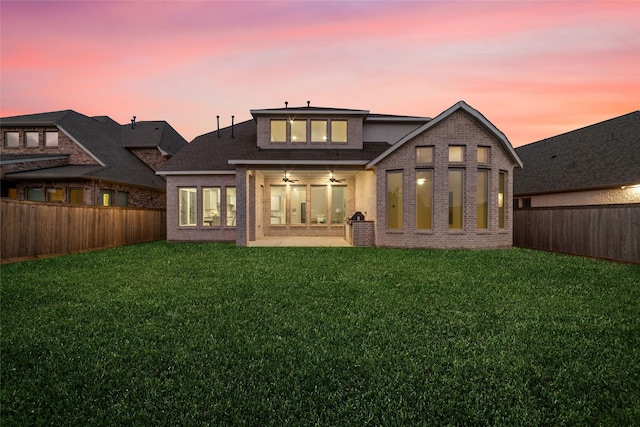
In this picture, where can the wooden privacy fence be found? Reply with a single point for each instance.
(35, 229)
(603, 231)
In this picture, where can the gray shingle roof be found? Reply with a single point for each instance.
(210, 153)
(605, 154)
(152, 134)
(105, 140)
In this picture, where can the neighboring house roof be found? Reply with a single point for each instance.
(152, 134)
(104, 140)
(602, 155)
(475, 114)
(6, 159)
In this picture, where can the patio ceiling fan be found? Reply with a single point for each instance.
(287, 179)
(333, 179)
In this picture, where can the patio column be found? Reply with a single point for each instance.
(242, 219)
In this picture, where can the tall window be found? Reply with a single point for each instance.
(456, 186)
(231, 207)
(482, 200)
(394, 200)
(105, 197)
(278, 131)
(338, 203)
(55, 195)
(32, 139)
(318, 131)
(501, 200)
(424, 199)
(456, 153)
(298, 130)
(278, 204)
(338, 130)
(424, 155)
(187, 206)
(75, 196)
(211, 206)
(34, 194)
(122, 198)
(51, 139)
(12, 139)
(318, 204)
(298, 204)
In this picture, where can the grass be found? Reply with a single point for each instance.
(211, 334)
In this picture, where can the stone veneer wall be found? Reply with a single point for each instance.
(457, 129)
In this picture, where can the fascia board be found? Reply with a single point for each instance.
(191, 172)
(299, 162)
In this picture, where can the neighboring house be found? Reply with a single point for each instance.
(431, 183)
(594, 165)
(67, 157)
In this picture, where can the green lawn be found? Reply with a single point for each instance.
(210, 334)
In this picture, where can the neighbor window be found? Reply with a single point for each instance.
(318, 204)
(32, 139)
(456, 153)
(122, 199)
(424, 199)
(105, 197)
(34, 194)
(298, 130)
(501, 198)
(484, 155)
(456, 181)
(187, 206)
(51, 139)
(75, 196)
(318, 130)
(278, 131)
(12, 139)
(338, 203)
(278, 203)
(55, 195)
(338, 130)
(211, 206)
(424, 155)
(231, 207)
(298, 195)
(394, 200)
(482, 200)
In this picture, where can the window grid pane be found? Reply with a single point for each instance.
(339, 131)
(501, 195)
(298, 196)
(338, 204)
(318, 204)
(424, 155)
(483, 155)
(32, 139)
(12, 139)
(318, 130)
(424, 199)
(298, 130)
(482, 200)
(278, 131)
(211, 207)
(278, 203)
(394, 200)
(231, 207)
(456, 153)
(187, 206)
(456, 179)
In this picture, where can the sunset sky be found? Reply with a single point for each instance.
(533, 68)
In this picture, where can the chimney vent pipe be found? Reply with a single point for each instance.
(232, 117)
(218, 120)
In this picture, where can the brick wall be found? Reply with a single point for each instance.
(457, 129)
(199, 233)
(65, 145)
(152, 157)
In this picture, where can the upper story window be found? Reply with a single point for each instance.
(298, 130)
(338, 131)
(484, 154)
(31, 139)
(51, 139)
(12, 139)
(278, 131)
(424, 155)
(456, 153)
(318, 131)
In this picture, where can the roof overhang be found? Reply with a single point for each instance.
(32, 159)
(299, 162)
(308, 112)
(191, 172)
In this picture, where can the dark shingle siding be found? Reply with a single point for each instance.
(605, 154)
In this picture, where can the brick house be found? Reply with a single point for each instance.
(67, 157)
(595, 165)
(444, 182)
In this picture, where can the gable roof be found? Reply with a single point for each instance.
(475, 114)
(100, 139)
(602, 155)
